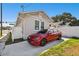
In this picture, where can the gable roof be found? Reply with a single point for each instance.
(24, 14)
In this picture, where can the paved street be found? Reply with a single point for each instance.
(25, 49)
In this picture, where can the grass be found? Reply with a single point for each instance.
(66, 48)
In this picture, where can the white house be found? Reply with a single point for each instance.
(30, 22)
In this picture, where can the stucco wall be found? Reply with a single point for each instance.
(29, 25)
(16, 33)
(26, 21)
(70, 31)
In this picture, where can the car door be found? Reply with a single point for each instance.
(55, 33)
(50, 35)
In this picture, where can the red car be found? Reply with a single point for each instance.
(41, 38)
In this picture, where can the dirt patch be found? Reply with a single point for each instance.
(72, 51)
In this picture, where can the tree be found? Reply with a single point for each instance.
(74, 23)
(64, 17)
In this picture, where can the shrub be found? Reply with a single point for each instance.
(75, 37)
(9, 40)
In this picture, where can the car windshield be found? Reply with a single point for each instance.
(43, 31)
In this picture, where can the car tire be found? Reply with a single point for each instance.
(43, 42)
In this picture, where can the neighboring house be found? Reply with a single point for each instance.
(7, 26)
(30, 22)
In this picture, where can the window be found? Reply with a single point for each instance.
(42, 25)
(36, 25)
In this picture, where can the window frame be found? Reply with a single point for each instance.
(36, 25)
(42, 25)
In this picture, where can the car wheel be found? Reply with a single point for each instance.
(43, 42)
(28, 39)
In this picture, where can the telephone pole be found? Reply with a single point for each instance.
(1, 19)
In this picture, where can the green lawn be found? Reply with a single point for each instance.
(66, 48)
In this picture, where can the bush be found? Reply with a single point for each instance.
(74, 23)
(9, 40)
(75, 37)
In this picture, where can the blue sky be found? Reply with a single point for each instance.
(11, 10)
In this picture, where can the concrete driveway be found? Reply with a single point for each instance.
(25, 49)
